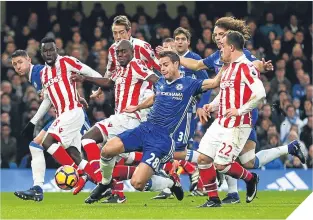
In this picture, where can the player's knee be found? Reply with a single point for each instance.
(249, 165)
(247, 159)
(39, 138)
(203, 159)
(221, 168)
(137, 184)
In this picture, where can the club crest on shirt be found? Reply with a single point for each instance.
(179, 86)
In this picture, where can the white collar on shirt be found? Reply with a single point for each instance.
(30, 73)
(185, 53)
(241, 58)
(169, 83)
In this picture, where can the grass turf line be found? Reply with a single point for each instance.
(269, 204)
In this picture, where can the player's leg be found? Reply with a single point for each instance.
(38, 165)
(207, 150)
(233, 141)
(246, 160)
(112, 148)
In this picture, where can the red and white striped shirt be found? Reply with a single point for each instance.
(130, 84)
(142, 51)
(58, 86)
(235, 91)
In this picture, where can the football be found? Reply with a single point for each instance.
(66, 177)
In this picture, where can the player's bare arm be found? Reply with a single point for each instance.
(192, 64)
(145, 104)
(212, 83)
(99, 81)
(263, 66)
(153, 78)
(44, 107)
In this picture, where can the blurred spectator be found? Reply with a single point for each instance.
(60, 46)
(207, 38)
(275, 53)
(17, 87)
(270, 25)
(308, 95)
(33, 25)
(306, 134)
(143, 27)
(162, 16)
(293, 25)
(307, 109)
(280, 79)
(288, 42)
(256, 35)
(141, 11)
(97, 13)
(5, 118)
(77, 44)
(55, 32)
(298, 90)
(291, 119)
(296, 103)
(6, 56)
(23, 36)
(119, 10)
(263, 128)
(93, 57)
(8, 146)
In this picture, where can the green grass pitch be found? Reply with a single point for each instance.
(269, 204)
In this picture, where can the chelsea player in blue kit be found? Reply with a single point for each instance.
(185, 132)
(23, 66)
(174, 94)
(247, 157)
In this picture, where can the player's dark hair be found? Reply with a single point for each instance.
(230, 23)
(168, 40)
(183, 31)
(19, 53)
(235, 38)
(122, 20)
(47, 40)
(173, 56)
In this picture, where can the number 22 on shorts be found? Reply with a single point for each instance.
(226, 149)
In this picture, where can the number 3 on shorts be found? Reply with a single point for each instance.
(153, 161)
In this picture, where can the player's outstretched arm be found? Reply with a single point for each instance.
(192, 64)
(147, 103)
(263, 66)
(153, 78)
(99, 81)
(44, 107)
(212, 83)
(42, 110)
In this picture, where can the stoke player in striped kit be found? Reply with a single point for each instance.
(241, 91)
(23, 66)
(247, 157)
(142, 51)
(63, 138)
(132, 81)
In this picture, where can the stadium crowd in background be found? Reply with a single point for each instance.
(284, 116)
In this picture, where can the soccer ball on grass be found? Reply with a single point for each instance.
(66, 177)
